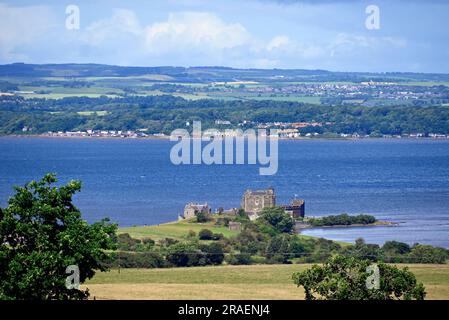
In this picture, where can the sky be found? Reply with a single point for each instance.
(411, 35)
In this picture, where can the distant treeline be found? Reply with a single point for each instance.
(166, 113)
(207, 73)
(342, 220)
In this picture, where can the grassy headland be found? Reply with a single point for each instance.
(177, 230)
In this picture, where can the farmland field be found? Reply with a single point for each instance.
(230, 282)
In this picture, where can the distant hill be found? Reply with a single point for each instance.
(205, 73)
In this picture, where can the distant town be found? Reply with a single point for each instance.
(287, 131)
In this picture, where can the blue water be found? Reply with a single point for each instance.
(133, 182)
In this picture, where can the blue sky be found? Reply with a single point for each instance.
(321, 34)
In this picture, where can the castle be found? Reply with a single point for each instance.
(192, 209)
(253, 202)
(296, 209)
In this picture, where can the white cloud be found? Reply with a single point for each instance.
(21, 26)
(183, 38)
(278, 42)
(349, 43)
(122, 22)
(195, 30)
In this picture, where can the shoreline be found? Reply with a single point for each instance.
(34, 136)
(380, 223)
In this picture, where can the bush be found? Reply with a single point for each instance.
(258, 260)
(239, 259)
(185, 255)
(428, 254)
(217, 236)
(396, 247)
(126, 243)
(138, 260)
(167, 242)
(395, 252)
(205, 234)
(278, 250)
(342, 220)
(148, 242)
(190, 254)
(346, 278)
(214, 253)
(191, 234)
(278, 219)
(202, 217)
(223, 221)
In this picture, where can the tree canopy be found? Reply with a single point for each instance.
(277, 218)
(345, 278)
(41, 234)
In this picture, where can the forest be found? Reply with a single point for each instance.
(164, 113)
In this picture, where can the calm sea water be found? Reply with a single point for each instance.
(134, 183)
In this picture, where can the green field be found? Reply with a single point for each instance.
(230, 282)
(175, 230)
(179, 230)
(91, 113)
(65, 95)
(222, 282)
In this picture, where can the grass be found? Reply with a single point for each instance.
(91, 113)
(230, 282)
(179, 230)
(222, 282)
(175, 230)
(65, 95)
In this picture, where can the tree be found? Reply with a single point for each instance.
(277, 250)
(278, 219)
(185, 255)
(363, 250)
(202, 217)
(239, 259)
(214, 253)
(205, 234)
(41, 234)
(127, 243)
(421, 253)
(396, 247)
(345, 278)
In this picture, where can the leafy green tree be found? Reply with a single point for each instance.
(205, 234)
(241, 216)
(185, 255)
(395, 252)
(239, 259)
(363, 250)
(214, 253)
(127, 243)
(278, 249)
(145, 259)
(421, 253)
(345, 278)
(396, 247)
(41, 234)
(278, 219)
(202, 217)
